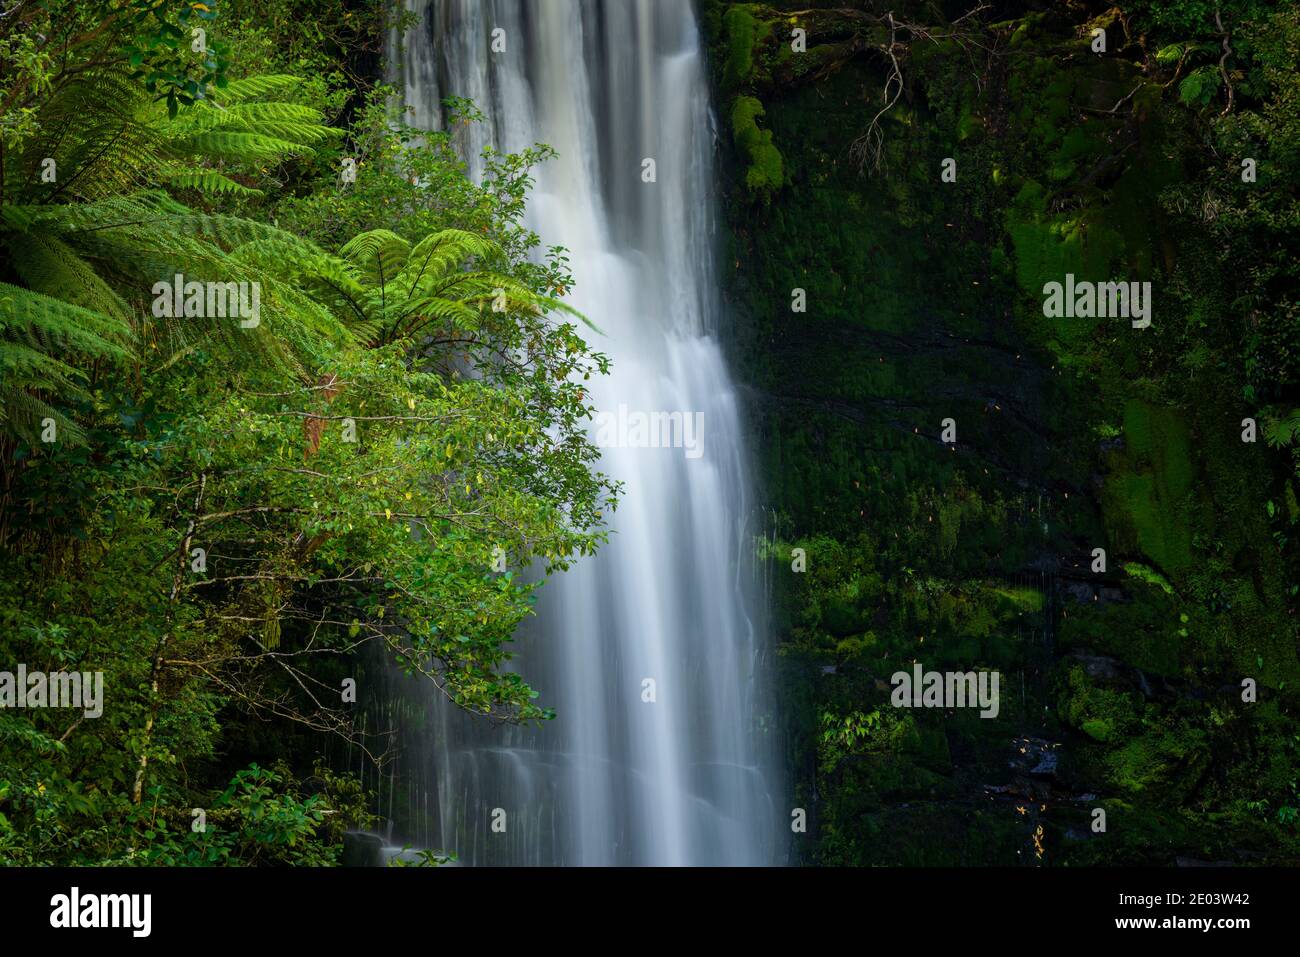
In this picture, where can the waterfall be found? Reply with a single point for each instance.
(654, 653)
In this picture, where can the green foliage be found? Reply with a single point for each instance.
(253, 822)
(412, 401)
(1199, 86)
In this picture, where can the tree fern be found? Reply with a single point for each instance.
(98, 262)
(50, 266)
(237, 127)
(107, 137)
(1282, 428)
(385, 289)
(44, 345)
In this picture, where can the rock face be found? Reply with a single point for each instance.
(877, 304)
(361, 849)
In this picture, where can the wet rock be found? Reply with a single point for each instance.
(1034, 757)
(1101, 668)
(1086, 592)
(361, 849)
(1046, 765)
(1080, 591)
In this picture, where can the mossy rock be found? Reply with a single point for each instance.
(766, 173)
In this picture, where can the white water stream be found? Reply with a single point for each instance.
(690, 777)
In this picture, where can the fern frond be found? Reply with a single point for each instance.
(239, 146)
(91, 128)
(1282, 430)
(443, 251)
(237, 91)
(208, 182)
(24, 415)
(379, 255)
(213, 116)
(40, 340)
(49, 266)
(51, 324)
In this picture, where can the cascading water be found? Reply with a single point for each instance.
(668, 610)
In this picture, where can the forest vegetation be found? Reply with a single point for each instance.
(241, 523)
(222, 516)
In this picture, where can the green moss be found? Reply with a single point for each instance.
(1101, 713)
(1078, 144)
(766, 169)
(1048, 246)
(1148, 494)
(1149, 575)
(1100, 729)
(1169, 760)
(744, 32)
(1022, 599)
